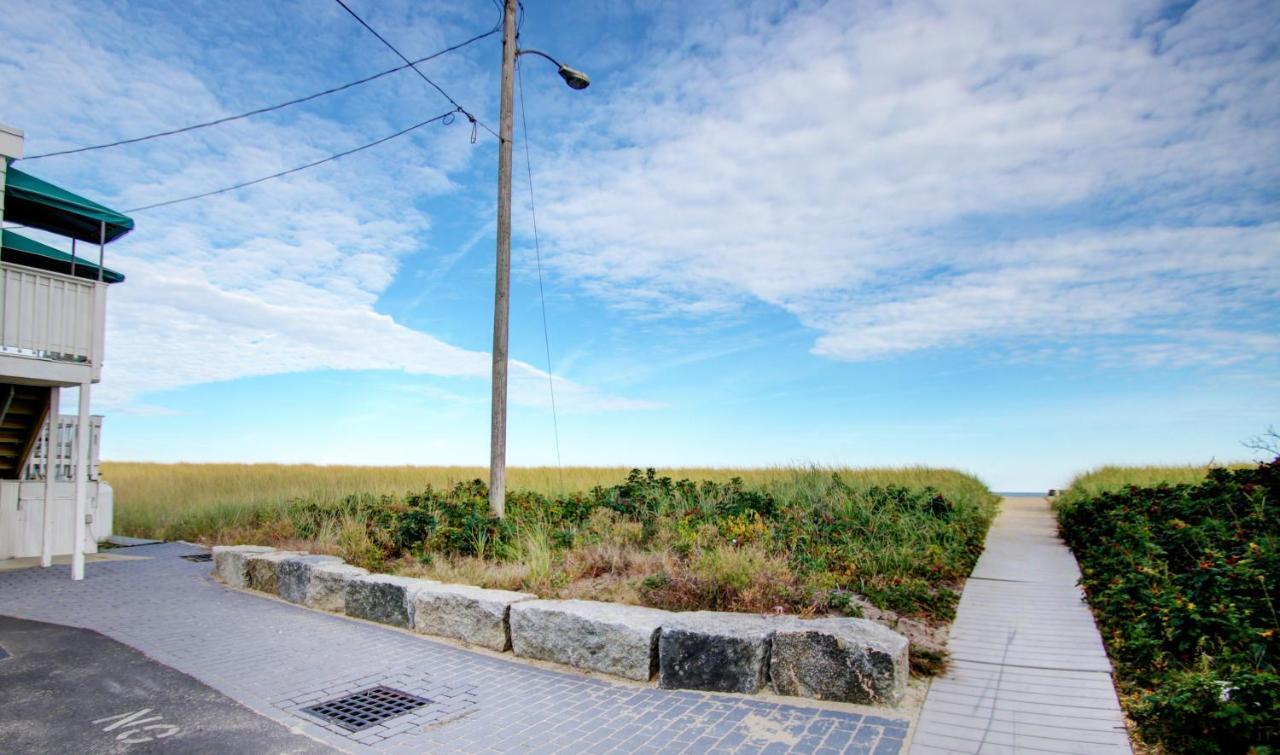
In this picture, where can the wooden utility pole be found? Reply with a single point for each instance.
(502, 284)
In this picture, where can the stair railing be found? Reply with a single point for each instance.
(64, 450)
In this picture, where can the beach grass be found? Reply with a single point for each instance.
(1109, 479)
(191, 501)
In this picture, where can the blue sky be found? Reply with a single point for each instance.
(1021, 239)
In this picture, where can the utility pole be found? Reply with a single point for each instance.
(576, 80)
(502, 284)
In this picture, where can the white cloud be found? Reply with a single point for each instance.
(897, 177)
(916, 175)
(277, 278)
(1073, 288)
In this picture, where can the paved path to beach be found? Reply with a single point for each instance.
(276, 659)
(1028, 671)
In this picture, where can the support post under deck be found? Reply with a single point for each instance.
(82, 484)
(50, 476)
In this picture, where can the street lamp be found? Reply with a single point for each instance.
(502, 283)
(573, 77)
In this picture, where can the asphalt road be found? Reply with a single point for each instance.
(64, 689)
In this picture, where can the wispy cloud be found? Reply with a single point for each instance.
(913, 176)
(281, 277)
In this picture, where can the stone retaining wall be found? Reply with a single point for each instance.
(230, 563)
(717, 652)
(846, 660)
(262, 570)
(327, 588)
(471, 614)
(850, 660)
(606, 637)
(293, 575)
(383, 598)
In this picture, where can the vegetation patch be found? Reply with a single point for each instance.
(801, 541)
(1183, 581)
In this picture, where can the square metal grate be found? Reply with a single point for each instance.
(360, 710)
(198, 557)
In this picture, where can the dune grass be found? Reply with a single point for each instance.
(195, 501)
(1109, 479)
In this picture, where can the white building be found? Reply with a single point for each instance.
(53, 308)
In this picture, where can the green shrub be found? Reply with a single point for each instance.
(1211, 711)
(1183, 580)
(646, 495)
(413, 527)
(904, 539)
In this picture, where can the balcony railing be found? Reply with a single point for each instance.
(64, 450)
(51, 315)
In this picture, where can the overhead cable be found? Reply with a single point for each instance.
(446, 117)
(474, 121)
(537, 250)
(270, 108)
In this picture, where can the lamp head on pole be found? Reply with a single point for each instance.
(574, 78)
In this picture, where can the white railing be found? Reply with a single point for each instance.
(51, 315)
(65, 449)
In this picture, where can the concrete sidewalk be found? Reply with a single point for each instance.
(1028, 670)
(276, 659)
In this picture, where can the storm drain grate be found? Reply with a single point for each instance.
(198, 557)
(359, 711)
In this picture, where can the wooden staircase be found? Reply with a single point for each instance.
(23, 411)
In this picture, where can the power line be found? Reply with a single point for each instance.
(437, 87)
(537, 249)
(270, 108)
(330, 158)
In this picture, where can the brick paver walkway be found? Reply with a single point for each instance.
(1028, 670)
(277, 658)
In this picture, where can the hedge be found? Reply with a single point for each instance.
(1183, 582)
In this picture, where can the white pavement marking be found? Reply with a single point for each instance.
(1028, 670)
(133, 735)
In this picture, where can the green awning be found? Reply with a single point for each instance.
(39, 204)
(21, 250)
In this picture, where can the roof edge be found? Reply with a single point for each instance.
(11, 140)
